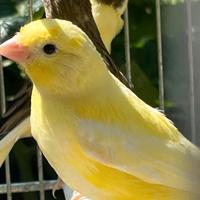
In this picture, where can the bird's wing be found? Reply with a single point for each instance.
(6, 144)
(149, 158)
(148, 147)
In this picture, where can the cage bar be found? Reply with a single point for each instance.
(2, 87)
(8, 178)
(160, 59)
(40, 173)
(27, 186)
(127, 48)
(191, 72)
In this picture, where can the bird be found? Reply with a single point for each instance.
(112, 11)
(100, 138)
(16, 123)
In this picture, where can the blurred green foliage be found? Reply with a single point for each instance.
(15, 13)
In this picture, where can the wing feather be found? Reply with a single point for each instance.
(152, 159)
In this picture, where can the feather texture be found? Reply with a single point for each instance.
(100, 138)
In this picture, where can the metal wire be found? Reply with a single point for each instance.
(191, 72)
(8, 179)
(160, 60)
(127, 48)
(27, 186)
(30, 6)
(9, 187)
(2, 87)
(40, 174)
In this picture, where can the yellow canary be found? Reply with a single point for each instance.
(101, 10)
(100, 138)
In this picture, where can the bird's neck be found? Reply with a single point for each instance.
(98, 99)
(101, 104)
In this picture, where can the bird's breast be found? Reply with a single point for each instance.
(55, 129)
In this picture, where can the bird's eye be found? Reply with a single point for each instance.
(49, 49)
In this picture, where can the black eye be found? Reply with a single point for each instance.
(49, 49)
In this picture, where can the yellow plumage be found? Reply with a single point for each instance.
(108, 20)
(108, 30)
(100, 138)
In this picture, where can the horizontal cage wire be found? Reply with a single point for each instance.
(41, 185)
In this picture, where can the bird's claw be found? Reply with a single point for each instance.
(59, 185)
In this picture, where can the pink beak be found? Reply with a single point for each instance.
(14, 51)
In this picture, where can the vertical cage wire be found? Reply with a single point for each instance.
(40, 174)
(191, 71)
(2, 87)
(30, 7)
(160, 57)
(8, 179)
(127, 48)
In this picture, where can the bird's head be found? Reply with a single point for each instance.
(56, 55)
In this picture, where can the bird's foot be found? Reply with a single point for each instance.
(59, 185)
